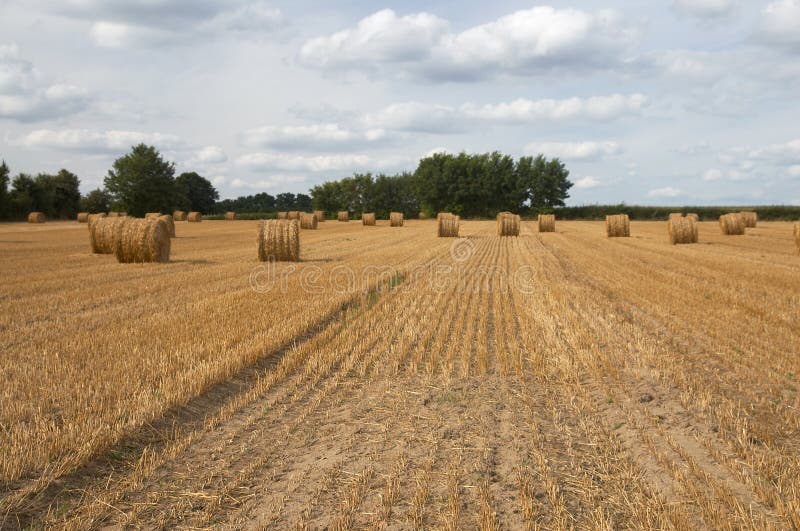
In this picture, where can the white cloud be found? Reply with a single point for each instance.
(524, 42)
(320, 136)
(665, 192)
(89, 141)
(712, 175)
(704, 8)
(587, 182)
(780, 24)
(427, 117)
(211, 154)
(26, 95)
(574, 150)
(314, 163)
(275, 181)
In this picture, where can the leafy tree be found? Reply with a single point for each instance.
(5, 175)
(199, 192)
(62, 193)
(302, 202)
(26, 196)
(262, 202)
(285, 201)
(96, 201)
(142, 181)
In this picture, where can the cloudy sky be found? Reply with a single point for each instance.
(658, 102)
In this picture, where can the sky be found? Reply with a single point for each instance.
(660, 102)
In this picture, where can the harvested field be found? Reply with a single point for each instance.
(564, 380)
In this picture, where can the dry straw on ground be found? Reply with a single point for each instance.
(103, 232)
(682, 230)
(279, 240)
(547, 222)
(142, 240)
(618, 226)
(179, 215)
(368, 219)
(396, 219)
(152, 215)
(448, 225)
(170, 223)
(283, 215)
(694, 217)
(35, 217)
(343, 216)
(732, 224)
(83, 217)
(508, 224)
(308, 221)
(320, 215)
(293, 214)
(750, 219)
(797, 235)
(230, 216)
(194, 217)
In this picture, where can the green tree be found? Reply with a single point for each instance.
(5, 175)
(285, 201)
(96, 201)
(62, 193)
(199, 192)
(26, 196)
(302, 202)
(142, 182)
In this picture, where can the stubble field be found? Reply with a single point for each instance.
(396, 379)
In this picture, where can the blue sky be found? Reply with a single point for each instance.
(662, 102)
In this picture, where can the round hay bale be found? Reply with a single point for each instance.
(179, 215)
(343, 216)
(279, 240)
(448, 225)
(117, 214)
(103, 232)
(618, 226)
(293, 214)
(320, 215)
(142, 240)
(682, 230)
(547, 222)
(368, 220)
(508, 224)
(170, 223)
(422, 215)
(675, 215)
(83, 217)
(152, 215)
(230, 216)
(36, 217)
(732, 224)
(693, 217)
(92, 217)
(396, 219)
(194, 217)
(283, 215)
(308, 221)
(750, 219)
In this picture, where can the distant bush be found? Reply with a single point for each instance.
(644, 213)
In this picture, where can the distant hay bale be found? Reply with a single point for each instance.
(230, 216)
(750, 219)
(293, 214)
(343, 216)
(693, 217)
(36, 217)
(422, 215)
(396, 219)
(308, 221)
(547, 222)
(103, 232)
(194, 217)
(283, 215)
(508, 224)
(618, 226)
(142, 240)
(448, 225)
(279, 240)
(170, 223)
(682, 230)
(179, 215)
(732, 224)
(83, 217)
(368, 219)
(320, 215)
(152, 215)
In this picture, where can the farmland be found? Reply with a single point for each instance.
(396, 379)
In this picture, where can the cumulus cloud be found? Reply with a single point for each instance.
(434, 118)
(211, 154)
(704, 8)
(265, 162)
(319, 136)
(587, 182)
(89, 141)
(666, 192)
(26, 95)
(712, 175)
(575, 150)
(524, 42)
(780, 24)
